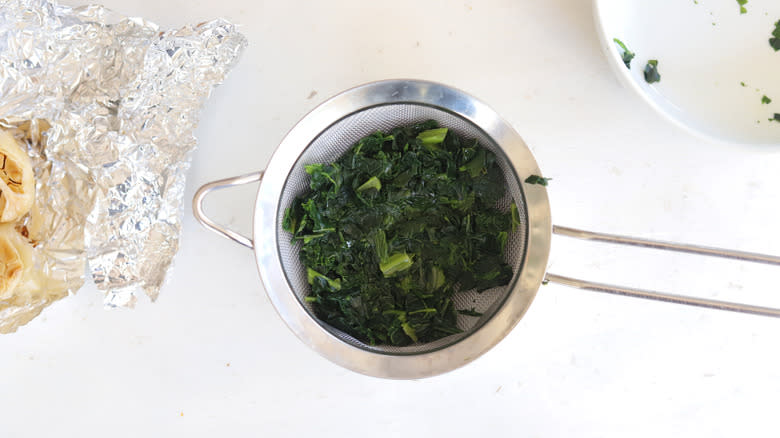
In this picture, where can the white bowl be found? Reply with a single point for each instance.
(706, 49)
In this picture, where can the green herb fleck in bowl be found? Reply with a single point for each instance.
(775, 40)
(651, 71)
(625, 54)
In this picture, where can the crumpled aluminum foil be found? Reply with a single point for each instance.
(123, 99)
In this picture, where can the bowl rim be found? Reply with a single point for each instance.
(623, 74)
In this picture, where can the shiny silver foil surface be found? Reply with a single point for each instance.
(123, 98)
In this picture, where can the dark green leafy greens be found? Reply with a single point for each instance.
(651, 71)
(775, 40)
(742, 9)
(394, 227)
(776, 118)
(536, 179)
(626, 54)
(765, 100)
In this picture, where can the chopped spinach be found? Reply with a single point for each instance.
(395, 227)
(765, 100)
(651, 71)
(742, 4)
(776, 118)
(536, 179)
(626, 54)
(775, 40)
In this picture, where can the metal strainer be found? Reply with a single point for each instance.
(325, 134)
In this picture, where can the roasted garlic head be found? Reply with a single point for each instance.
(17, 181)
(16, 260)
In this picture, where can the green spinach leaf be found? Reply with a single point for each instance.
(742, 9)
(625, 54)
(536, 179)
(651, 71)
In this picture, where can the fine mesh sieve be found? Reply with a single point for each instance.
(342, 135)
(333, 127)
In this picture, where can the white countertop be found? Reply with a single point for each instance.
(212, 358)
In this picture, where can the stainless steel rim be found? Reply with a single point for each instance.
(266, 239)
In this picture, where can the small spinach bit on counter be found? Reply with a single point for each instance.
(626, 54)
(776, 118)
(765, 100)
(536, 179)
(394, 228)
(742, 9)
(743, 84)
(651, 71)
(775, 40)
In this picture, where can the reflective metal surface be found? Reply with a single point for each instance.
(200, 214)
(662, 296)
(668, 246)
(113, 102)
(266, 242)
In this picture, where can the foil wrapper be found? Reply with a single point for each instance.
(122, 98)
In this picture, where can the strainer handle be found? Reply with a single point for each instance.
(662, 296)
(200, 215)
(668, 246)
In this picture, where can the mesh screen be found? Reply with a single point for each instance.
(336, 140)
